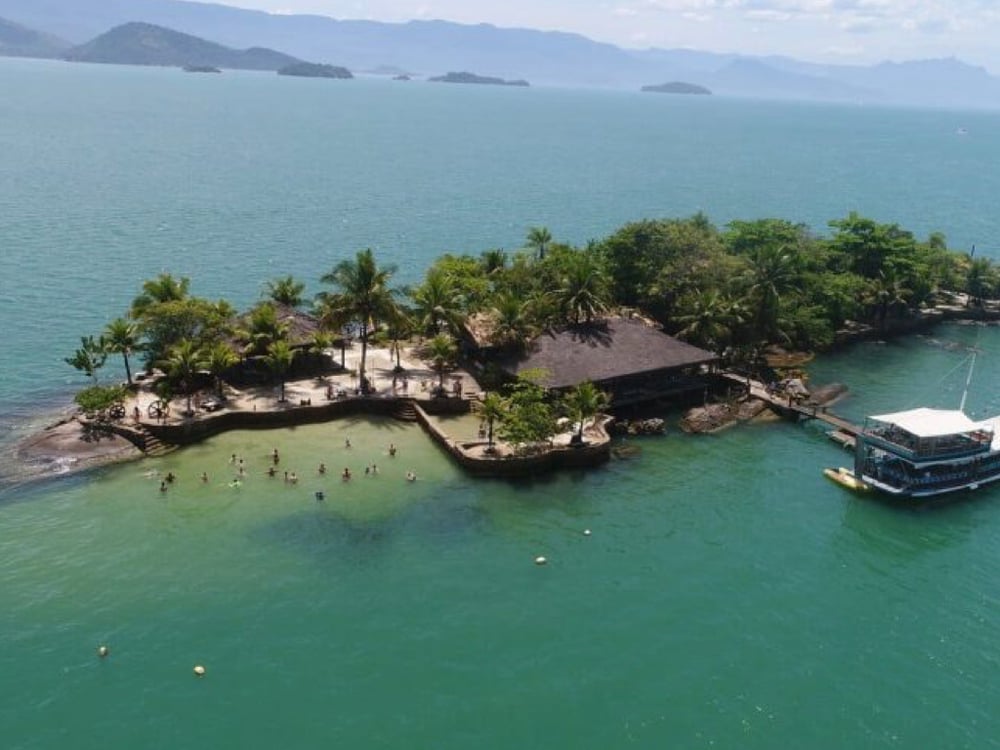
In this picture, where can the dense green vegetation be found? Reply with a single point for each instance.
(734, 290)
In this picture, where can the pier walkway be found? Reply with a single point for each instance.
(786, 405)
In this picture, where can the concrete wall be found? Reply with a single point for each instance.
(585, 456)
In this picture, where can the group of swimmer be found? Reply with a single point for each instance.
(290, 477)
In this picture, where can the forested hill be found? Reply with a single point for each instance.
(147, 44)
(20, 41)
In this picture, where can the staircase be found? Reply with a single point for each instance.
(405, 410)
(147, 442)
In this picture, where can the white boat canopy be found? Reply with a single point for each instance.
(926, 423)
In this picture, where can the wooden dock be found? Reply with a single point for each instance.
(844, 432)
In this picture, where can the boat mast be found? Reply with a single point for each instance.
(968, 380)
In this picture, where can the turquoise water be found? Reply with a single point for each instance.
(728, 596)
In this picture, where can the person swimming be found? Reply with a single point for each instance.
(293, 478)
(392, 449)
(411, 476)
(271, 471)
(322, 468)
(204, 477)
(346, 475)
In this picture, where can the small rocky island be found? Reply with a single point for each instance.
(473, 78)
(201, 69)
(677, 87)
(315, 70)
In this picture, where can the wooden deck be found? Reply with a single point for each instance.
(787, 407)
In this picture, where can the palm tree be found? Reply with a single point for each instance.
(285, 291)
(980, 280)
(584, 289)
(400, 326)
(122, 337)
(279, 361)
(184, 360)
(438, 305)
(707, 319)
(584, 402)
(493, 261)
(492, 409)
(264, 328)
(164, 288)
(443, 351)
(362, 296)
(773, 271)
(539, 239)
(511, 321)
(886, 293)
(90, 357)
(219, 357)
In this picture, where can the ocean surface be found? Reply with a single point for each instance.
(728, 595)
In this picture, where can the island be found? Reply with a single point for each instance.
(661, 311)
(473, 78)
(401, 77)
(315, 70)
(148, 44)
(200, 69)
(677, 87)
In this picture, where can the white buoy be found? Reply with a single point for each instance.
(199, 670)
(586, 532)
(103, 651)
(540, 560)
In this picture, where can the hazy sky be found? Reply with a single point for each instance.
(829, 30)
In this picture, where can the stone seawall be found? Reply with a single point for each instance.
(194, 430)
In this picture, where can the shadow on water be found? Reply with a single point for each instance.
(325, 533)
(896, 530)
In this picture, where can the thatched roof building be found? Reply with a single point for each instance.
(627, 356)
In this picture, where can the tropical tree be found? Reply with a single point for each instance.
(183, 362)
(264, 328)
(707, 318)
(511, 321)
(437, 304)
(219, 357)
(362, 296)
(772, 272)
(885, 294)
(493, 261)
(530, 418)
(442, 351)
(492, 409)
(584, 289)
(279, 359)
(164, 288)
(539, 238)
(980, 280)
(285, 291)
(122, 337)
(90, 357)
(583, 402)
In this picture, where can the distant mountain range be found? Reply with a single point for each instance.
(145, 44)
(20, 41)
(547, 58)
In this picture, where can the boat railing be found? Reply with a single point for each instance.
(952, 446)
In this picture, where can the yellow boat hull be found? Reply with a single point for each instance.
(845, 478)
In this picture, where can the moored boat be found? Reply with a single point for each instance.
(926, 452)
(845, 478)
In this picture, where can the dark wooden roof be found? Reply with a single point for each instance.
(602, 351)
